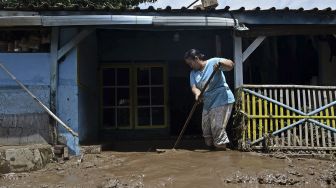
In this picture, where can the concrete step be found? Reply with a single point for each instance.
(24, 158)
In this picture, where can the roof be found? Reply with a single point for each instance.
(249, 4)
(178, 5)
(250, 12)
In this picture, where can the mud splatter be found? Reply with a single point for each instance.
(179, 168)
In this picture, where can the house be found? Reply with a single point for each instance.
(112, 74)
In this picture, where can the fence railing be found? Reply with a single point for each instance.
(287, 117)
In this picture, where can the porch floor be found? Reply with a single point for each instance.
(187, 142)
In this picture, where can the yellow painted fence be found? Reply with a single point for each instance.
(288, 117)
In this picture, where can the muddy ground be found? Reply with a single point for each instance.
(179, 168)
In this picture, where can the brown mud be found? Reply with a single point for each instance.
(179, 168)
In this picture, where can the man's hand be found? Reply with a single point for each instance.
(216, 66)
(196, 92)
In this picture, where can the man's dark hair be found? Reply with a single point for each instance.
(193, 53)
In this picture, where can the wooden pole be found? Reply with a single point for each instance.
(54, 79)
(238, 59)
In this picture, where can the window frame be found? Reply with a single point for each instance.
(165, 95)
(130, 106)
(133, 85)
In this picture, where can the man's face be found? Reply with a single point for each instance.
(193, 63)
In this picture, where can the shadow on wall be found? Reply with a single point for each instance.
(22, 129)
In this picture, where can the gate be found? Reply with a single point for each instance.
(287, 117)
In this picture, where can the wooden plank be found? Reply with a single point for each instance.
(260, 111)
(282, 120)
(254, 121)
(249, 113)
(327, 114)
(252, 47)
(289, 30)
(298, 94)
(74, 42)
(320, 104)
(276, 113)
(333, 122)
(271, 113)
(244, 110)
(306, 124)
(288, 86)
(317, 136)
(288, 119)
(238, 59)
(54, 78)
(293, 121)
(266, 113)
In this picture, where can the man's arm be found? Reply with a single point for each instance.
(227, 64)
(196, 92)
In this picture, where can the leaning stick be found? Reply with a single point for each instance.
(39, 102)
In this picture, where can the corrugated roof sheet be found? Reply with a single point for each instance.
(180, 5)
(250, 4)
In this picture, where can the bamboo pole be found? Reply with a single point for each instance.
(243, 108)
(311, 127)
(327, 114)
(271, 113)
(248, 121)
(254, 121)
(282, 120)
(277, 121)
(293, 120)
(321, 114)
(333, 115)
(289, 133)
(266, 113)
(260, 122)
(316, 128)
(298, 92)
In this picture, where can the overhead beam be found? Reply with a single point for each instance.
(276, 30)
(74, 42)
(252, 47)
(238, 59)
(157, 20)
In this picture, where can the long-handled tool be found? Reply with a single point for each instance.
(194, 106)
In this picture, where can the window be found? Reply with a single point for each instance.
(25, 40)
(134, 96)
(150, 104)
(116, 98)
